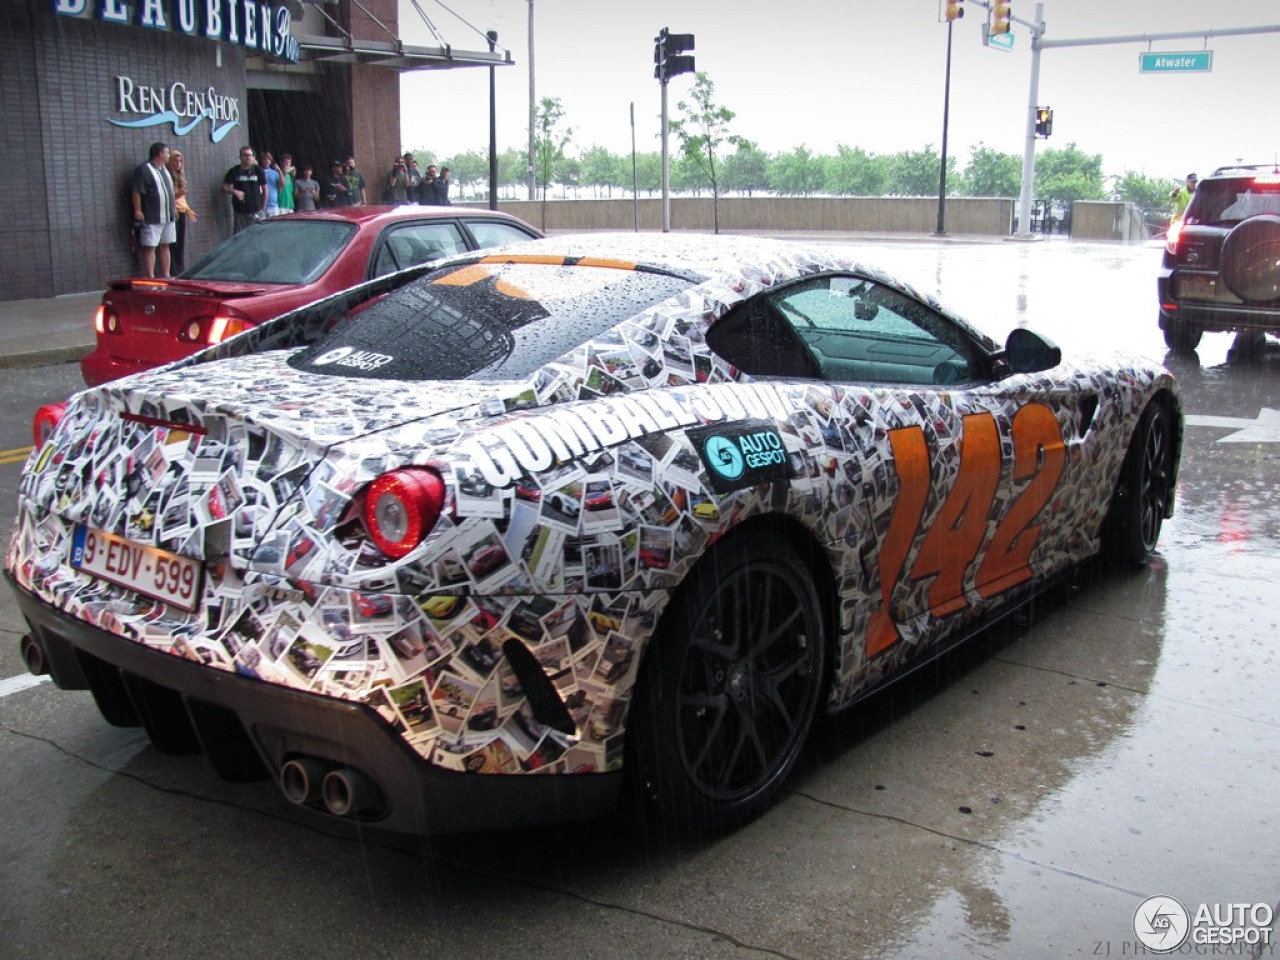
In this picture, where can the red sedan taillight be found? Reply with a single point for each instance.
(401, 507)
(210, 330)
(106, 321)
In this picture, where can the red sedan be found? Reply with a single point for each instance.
(274, 267)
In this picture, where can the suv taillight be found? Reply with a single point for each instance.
(1171, 237)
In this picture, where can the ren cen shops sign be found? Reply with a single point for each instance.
(255, 24)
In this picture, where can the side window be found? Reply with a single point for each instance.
(494, 233)
(410, 244)
(858, 330)
(754, 338)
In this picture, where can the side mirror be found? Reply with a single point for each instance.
(1026, 351)
(863, 310)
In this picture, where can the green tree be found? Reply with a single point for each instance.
(915, 173)
(469, 169)
(746, 170)
(648, 172)
(600, 168)
(1063, 176)
(854, 172)
(549, 144)
(798, 173)
(991, 173)
(1148, 194)
(687, 175)
(512, 170)
(704, 132)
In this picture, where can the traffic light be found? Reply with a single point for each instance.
(667, 47)
(955, 9)
(1000, 16)
(1044, 122)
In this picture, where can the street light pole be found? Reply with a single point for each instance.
(493, 126)
(946, 115)
(533, 189)
(1029, 148)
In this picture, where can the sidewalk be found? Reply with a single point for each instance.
(36, 333)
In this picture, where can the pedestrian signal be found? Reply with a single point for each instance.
(1044, 122)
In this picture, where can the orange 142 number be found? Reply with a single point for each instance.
(952, 542)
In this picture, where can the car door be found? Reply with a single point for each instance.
(951, 471)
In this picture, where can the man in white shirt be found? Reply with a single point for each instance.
(154, 213)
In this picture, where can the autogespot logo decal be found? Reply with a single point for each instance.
(1161, 924)
(724, 457)
(350, 357)
(333, 356)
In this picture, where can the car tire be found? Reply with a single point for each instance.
(1144, 490)
(730, 685)
(1181, 336)
(1251, 260)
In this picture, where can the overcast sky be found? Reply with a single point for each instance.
(864, 73)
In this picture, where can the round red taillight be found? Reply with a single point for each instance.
(401, 507)
(45, 420)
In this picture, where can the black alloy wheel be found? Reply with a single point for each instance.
(731, 686)
(1145, 489)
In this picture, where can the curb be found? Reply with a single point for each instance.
(44, 358)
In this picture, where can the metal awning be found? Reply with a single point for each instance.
(395, 55)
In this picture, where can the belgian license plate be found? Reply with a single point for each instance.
(153, 572)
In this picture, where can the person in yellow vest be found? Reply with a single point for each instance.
(1181, 196)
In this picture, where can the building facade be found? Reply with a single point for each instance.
(88, 85)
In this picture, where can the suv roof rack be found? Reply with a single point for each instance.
(1267, 167)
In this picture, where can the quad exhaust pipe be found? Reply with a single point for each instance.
(33, 656)
(342, 791)
(347, 792)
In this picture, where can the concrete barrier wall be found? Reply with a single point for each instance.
(964, 215)
(1107, 220)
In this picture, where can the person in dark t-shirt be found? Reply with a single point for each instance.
(335, 190)
(247, 185)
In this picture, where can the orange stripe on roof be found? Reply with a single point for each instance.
(526, 258)
(560, 261)
(463, 276)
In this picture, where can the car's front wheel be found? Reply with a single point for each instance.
(731, 685)
(1143, 494)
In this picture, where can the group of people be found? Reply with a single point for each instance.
(158, 196)
(259, 187)
(408, 183)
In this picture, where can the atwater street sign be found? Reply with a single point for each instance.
(1192, 61)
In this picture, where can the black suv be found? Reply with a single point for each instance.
(1221, 267)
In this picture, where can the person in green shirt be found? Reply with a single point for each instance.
(287, 174)
(1181, 196)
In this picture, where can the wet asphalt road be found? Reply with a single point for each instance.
(1017, 801)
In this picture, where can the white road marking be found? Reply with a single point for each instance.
(1264, 429)
(20, 683)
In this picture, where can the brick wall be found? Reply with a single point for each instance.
(67, 204)
(64, 212)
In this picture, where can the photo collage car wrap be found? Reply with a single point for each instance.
(576, 502)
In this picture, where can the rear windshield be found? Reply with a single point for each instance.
(276, 251)
(485, 321)
(1233, 199)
